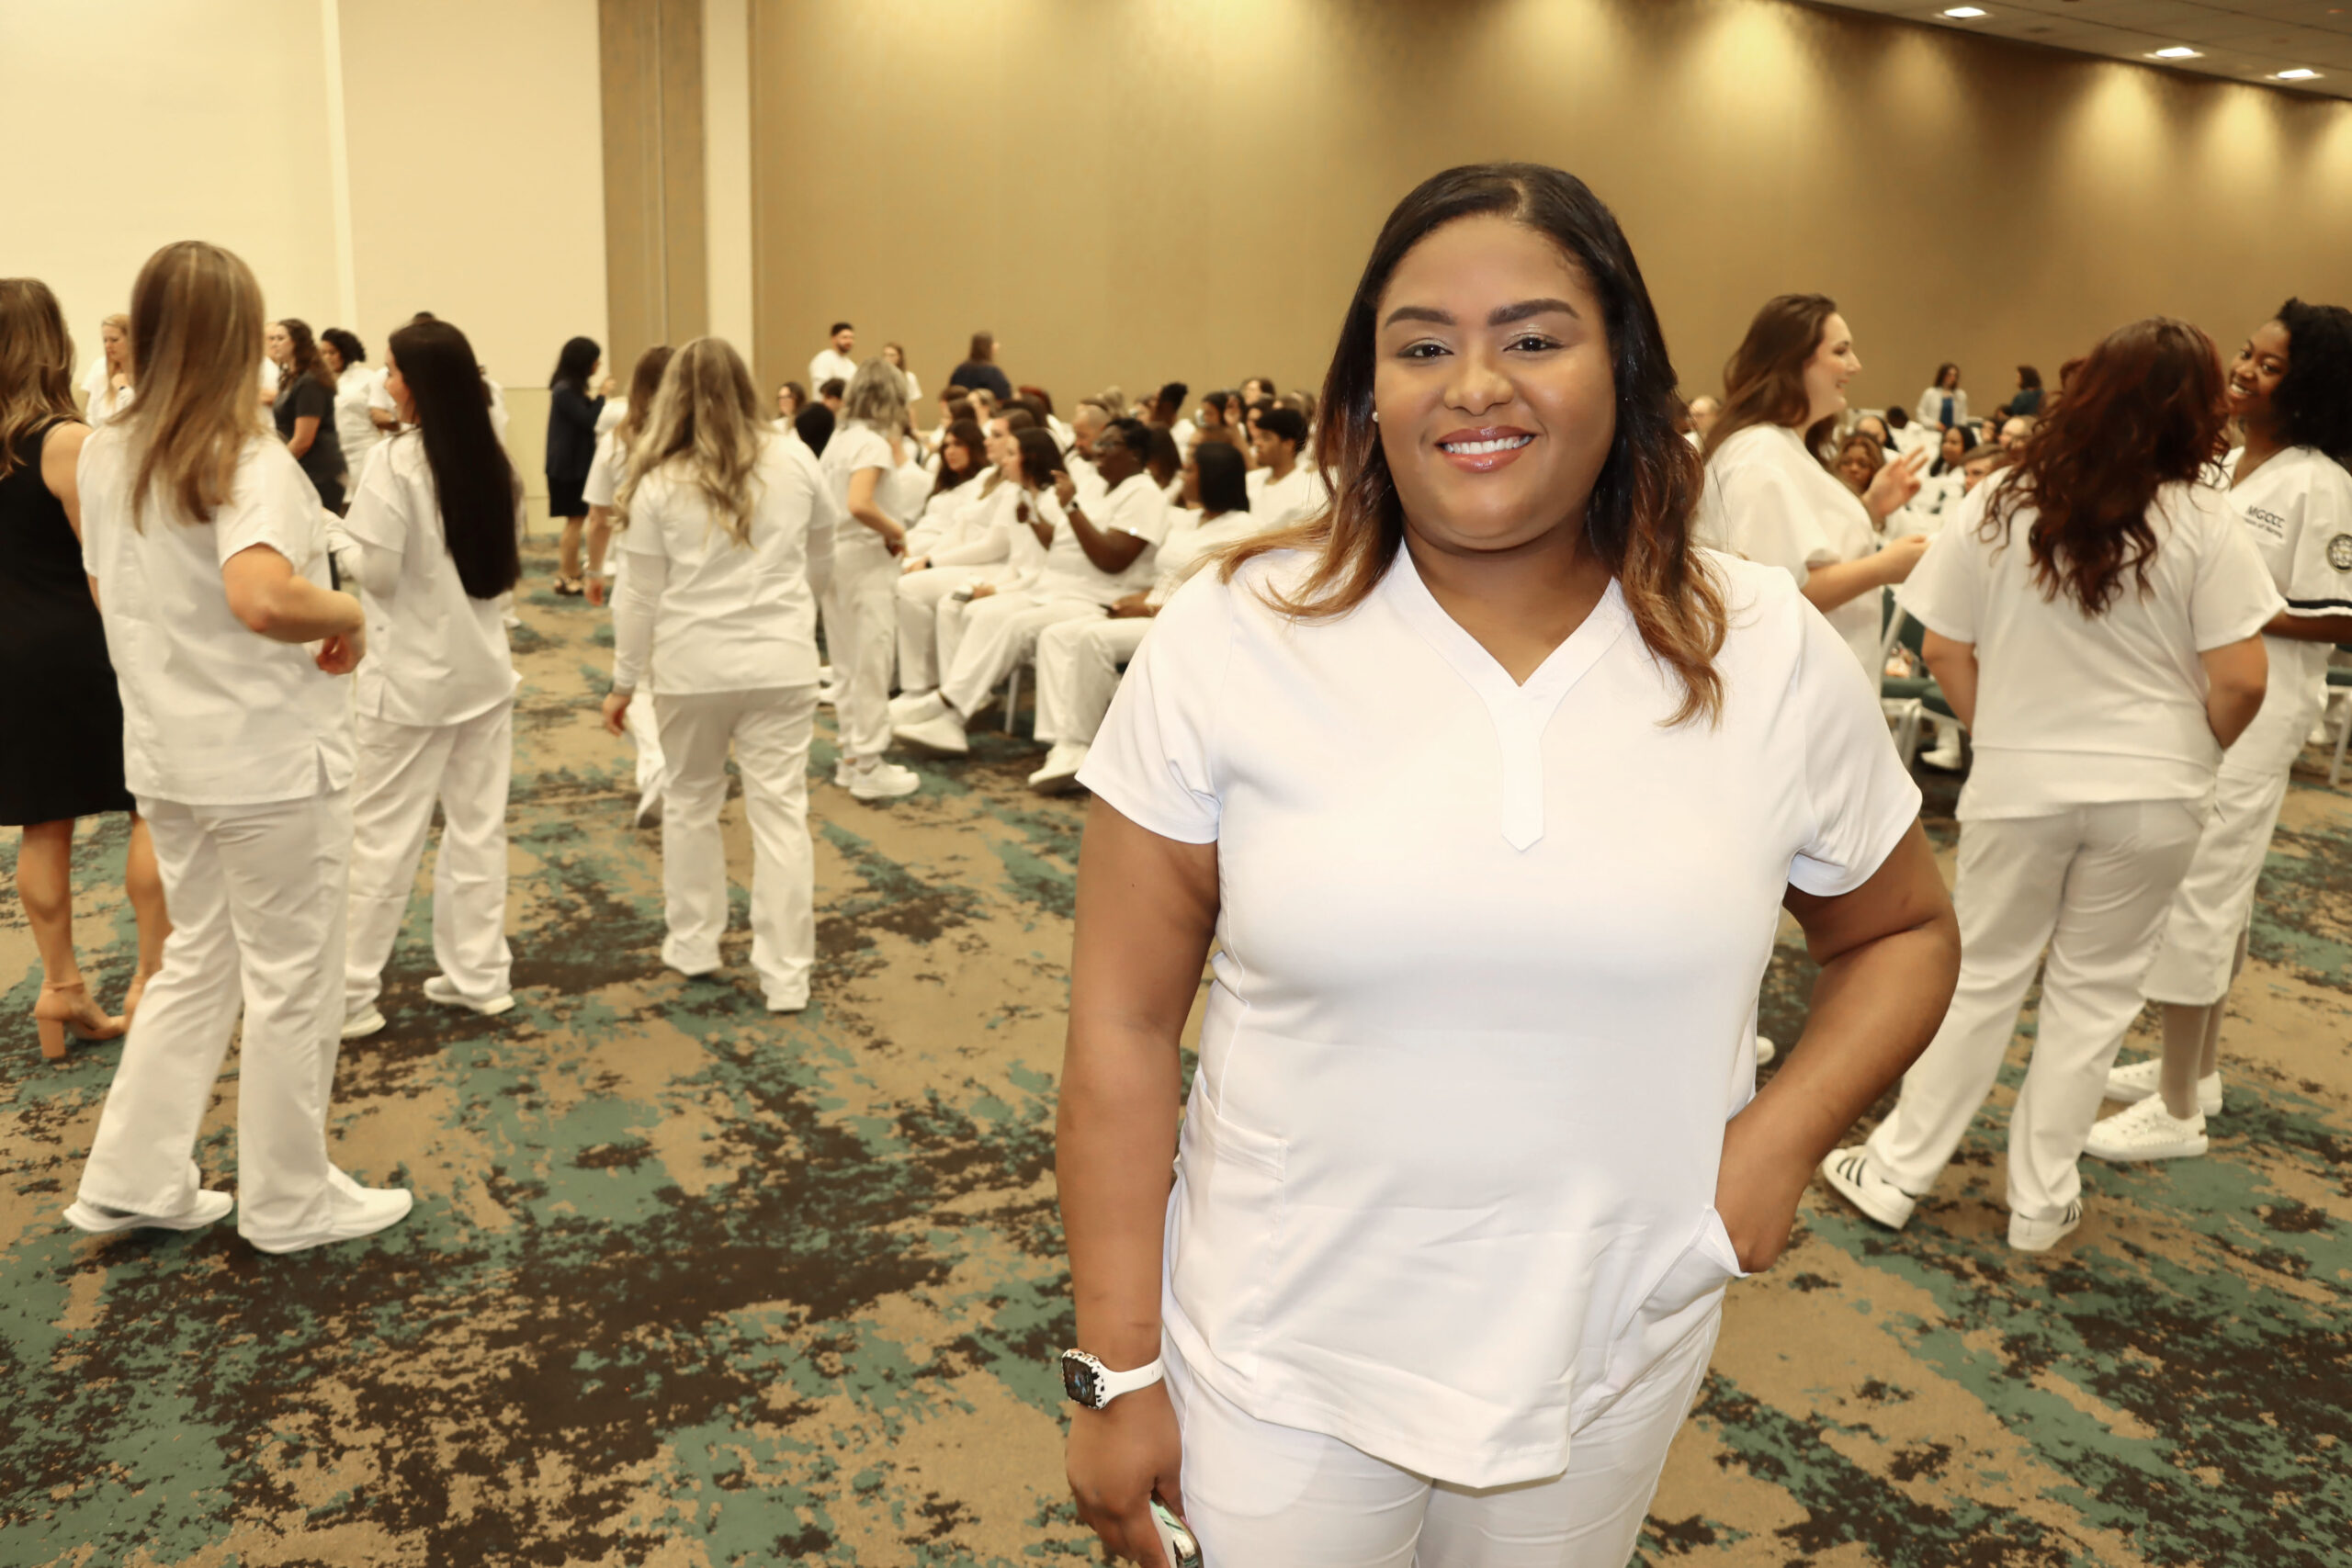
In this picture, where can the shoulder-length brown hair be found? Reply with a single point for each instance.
(2143, 410)
(196, 326)
(36, 364)
(1637, 519)
(1764, 380)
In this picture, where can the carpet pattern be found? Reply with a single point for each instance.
(690, 1284)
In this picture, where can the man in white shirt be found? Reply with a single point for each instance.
(1087, 422)
(833, 363)
(1099, 554)
(1282, 490)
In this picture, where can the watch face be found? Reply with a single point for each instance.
(1079, 1383)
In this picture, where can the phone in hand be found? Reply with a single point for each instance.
(1176, 1542)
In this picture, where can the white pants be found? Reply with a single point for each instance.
(769, 730)
(1077, 673)
(256, 895)
(920, 595)
(2216, 898)
(404, 769)
(1260, 1495)
(861, 635)
(998, 632)
(2092, 883)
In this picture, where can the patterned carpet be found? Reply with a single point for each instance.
(688, 1284)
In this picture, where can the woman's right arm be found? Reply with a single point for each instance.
(1146, 910)
(862, 486)
(2236, 675)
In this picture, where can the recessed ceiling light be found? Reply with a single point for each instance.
(2300, 73)
(2177, 52)
(1965, 13)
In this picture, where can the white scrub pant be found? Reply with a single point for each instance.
(1077, 674)
(920, 595)
(1260, 1495)
(769, 730)
(404, 769)
(2092, 882)
(2216, 898)
(257, 898)
(998, 632)
(861, 637)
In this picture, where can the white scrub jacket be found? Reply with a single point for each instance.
(1484, 992)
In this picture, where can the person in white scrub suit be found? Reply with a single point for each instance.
(106, 385)
(2291, 388)
(946, 549)
(432, 529)
(1491, 834)
(1099, 554)
(355, 386)
(238, 746)
(1283, 486)
(1078, 661)
(731, 540)
(605, 565)
(2101, 667)
(874, 465)
(1000, 549)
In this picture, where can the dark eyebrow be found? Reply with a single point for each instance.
(1527, 308)
(1417, 313)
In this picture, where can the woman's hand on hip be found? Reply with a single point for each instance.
(1118, 1458)
(1756, 1190)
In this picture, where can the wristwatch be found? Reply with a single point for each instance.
(1095, 1385)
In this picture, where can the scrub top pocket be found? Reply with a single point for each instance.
(1676, 1306)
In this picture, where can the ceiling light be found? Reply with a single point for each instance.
(1965, 13)
(2298, 74)
(2177, 52)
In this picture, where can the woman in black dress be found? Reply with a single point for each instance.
(58, 702)
(578, 391)
(305, 408)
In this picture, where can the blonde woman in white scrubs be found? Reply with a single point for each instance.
(107, 385)
(206, 547)
(877, 485)
(2094, 616)
(1490, 789)
(730, 533)
(433, 529)
(2291, 390)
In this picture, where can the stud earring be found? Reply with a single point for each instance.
(1375, 416)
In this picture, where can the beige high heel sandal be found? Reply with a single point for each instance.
(59, 1008)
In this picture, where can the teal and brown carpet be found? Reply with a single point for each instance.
(688, 1284)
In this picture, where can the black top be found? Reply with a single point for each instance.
(980, 373)
(306, 397)
(571, 438)
(2027, 402)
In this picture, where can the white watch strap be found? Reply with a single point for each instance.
(1117, 1383)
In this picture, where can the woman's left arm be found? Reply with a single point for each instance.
(1889, 953)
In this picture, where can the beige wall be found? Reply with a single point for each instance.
(1133, 190)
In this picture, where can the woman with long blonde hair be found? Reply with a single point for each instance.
(878, 483)
(729, 542)
(58, 702)
(207, 547)
(107, 383)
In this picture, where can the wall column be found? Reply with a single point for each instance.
(657, 278)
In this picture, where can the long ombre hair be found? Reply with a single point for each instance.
(1764, 381)
(2143, 410)
(36, 364)
(1637, 520)
(472, 480)
(707, 420)
(196, 325)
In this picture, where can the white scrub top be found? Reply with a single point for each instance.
(2072, 711)
(435, 654)
(354, 394)
(1132, 506)
(213, 713)
(1189, 539)
(898, 492)
(714, 616)
(2298, 509)
(1486, 977)
(1769, 500)
(604, 480)
(828, 363)
(1293, 499)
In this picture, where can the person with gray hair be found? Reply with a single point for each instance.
(874, 465)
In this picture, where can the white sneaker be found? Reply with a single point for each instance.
(1059, 775)
(98, 1220)
(829, 697)
(878, 780)
(2040, 1235)
(2140, 1080)
(443, 989)
(1765, 1051)
(1857, 1181)
(352, 1211)
(936, 729)
(2147, 1131)
(911, 704)
(1943, 759)
(360, 1026)
(787, 1004)
(648, 808)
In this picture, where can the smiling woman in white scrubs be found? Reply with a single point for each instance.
(206, 546)
(2092, 616)
(434, 531)
(1490, 789)
(2291, 388)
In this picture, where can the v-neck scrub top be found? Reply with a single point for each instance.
(1769, 500)
(2298, 509)
(1484, 995)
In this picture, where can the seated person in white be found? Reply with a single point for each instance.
(954, 526)
(1283, 487)
(606, 472)
(999, 548)
(1078, 661)
(1092, 561)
